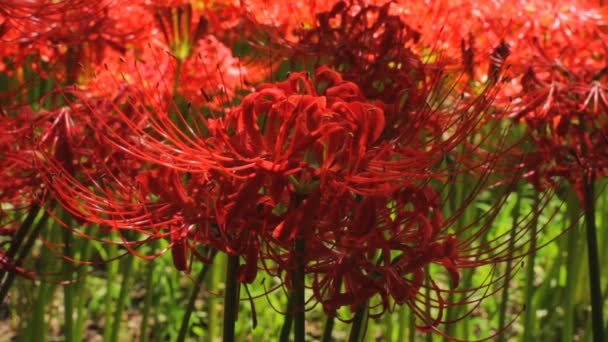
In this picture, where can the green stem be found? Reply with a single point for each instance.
(196, 289)
(412, 326)
(388, 323)
(288, 319)
(68, 289)
(328, 329)
(111, 273)
(454, 202)
(357, 330)
(21, 234)
(178, 73)
(125, 288)
(36, 330)
(572, 260)
(529, 315)
(29, 243)
(212, 307)
(149, 286)
(299, 296)
(594, 265)
(175, 110)
(231, 300)
(147, 303)
(502, 318)
(329, 325)
(401, 318)
(428, 337)
(80, 291)
(31, 76)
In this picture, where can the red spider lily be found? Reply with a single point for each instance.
(176, 56)
(476, 28)
(289, 136)
(213, 72)
(378, 247)
(22, 191)
(347, 164)
(352, 163)
(285, 16)
(564, 105)
(139, 200)
(71, 32)
(300, 159)
(384, 66)
(413, 95)
(100, 171)
(205, 64)
(285, 158)
(292, 161)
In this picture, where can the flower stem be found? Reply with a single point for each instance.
(402, 323)
(69, 288)
(594, 264)
(22, 233)
(149, 284)
(572, 260)
(502, 318)
(80, 289)
(37, 327)
(175, 111)
(299, 297)
(111, 274)
(36, 330)
(125, 288)
(329, 326)
(328, 329)
(412, 326)
(29, 242)
(357, 330)
(388, 323)
(231, 299)
(529, 314)
(288, 320)
(196, 289)
(215, 324)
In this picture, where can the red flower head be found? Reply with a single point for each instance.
(74, 33)
(564, 106)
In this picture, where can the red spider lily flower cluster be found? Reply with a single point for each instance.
(563, 99)
(555, 53)
(567, 119)
(25, 135)
(291, 162)
(472, 41)
(368, 46)
(338, 172)
(309, 160)
(65, 34)
(75, 41)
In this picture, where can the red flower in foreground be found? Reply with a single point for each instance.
(301, 160)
